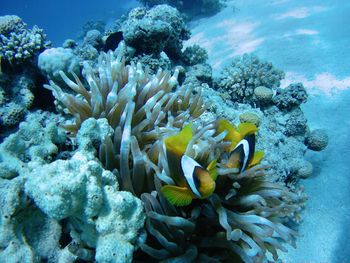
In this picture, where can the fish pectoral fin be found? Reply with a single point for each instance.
(212, 169)
(178, 196)
(235, 159)
(258, 155)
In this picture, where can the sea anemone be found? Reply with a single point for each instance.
(243, 218)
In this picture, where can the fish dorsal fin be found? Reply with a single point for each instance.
(246, 128)
(232, 134)
(178, 143)
(175, 146)
(178, 196)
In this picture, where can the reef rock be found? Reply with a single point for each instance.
(160, 28)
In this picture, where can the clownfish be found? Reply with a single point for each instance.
(192, 180)
(242, 154)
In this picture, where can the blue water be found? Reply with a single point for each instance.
(64, 19)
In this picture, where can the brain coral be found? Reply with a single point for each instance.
(263, 95)
(317, 140)
(17, 98)
(241, 219)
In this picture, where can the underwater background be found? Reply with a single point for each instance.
(308, 40)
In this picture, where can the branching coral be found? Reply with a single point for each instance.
(246, 73)
(19, 44)
(244, 218)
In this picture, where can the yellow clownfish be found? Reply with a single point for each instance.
(242, 154)
(191, 179)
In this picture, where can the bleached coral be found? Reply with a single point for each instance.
(80, 191)
(35, 140)
(52, 60)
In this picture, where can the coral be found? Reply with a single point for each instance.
(34, 140)
(194, 54)
(81, 192)
(78, 190)
(317, 140)
(86, 52)
(69, 43)
(290, 97)
(92, 133)
(263, 95)
(153, 62)
(299, 169)
(296, 124)
(246, 73)
(93, 37)
(11, 114)
(200, 73)
(23, 228)
(250, 117)
(18, 44)
(53, 60)
(304, 169)
(10, 23)
(159, 29)
(17, 99)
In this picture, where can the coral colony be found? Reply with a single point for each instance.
(135, 162)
